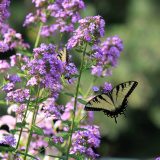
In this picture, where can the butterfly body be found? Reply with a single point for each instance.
(114, 102)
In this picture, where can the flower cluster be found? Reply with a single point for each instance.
(106, 53)
(18, 96)
(10, 39)
(83, 141)
(8, 140)
(14, 39)
(4, 13)
(90, 30)
(13, 79)
(64, 13)
(104, 89)
(51, 109)
(31, 18)
(3, 47)
(45, 68)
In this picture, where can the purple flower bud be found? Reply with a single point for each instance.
(95, 88)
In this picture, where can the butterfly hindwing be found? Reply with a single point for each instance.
(114, 102)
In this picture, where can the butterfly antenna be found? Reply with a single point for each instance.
(115, 119)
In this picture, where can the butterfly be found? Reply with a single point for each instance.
(64, 56)
(113, 102)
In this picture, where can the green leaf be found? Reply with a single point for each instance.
(13, 131)
(21, 124)
(37, 130)
(67, 123)
(68, 94)
(64, 135)
(57, 157)
(82, 101)
(6, 148)
(2, 102)
(77, 157)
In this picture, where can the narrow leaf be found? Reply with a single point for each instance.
(82, 101)
(56, 157)
(68, 94)
(37, 130)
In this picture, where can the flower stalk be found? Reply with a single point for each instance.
(32, 123)
(75, 101)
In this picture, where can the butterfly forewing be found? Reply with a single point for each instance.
(100, 102)
(122, 91)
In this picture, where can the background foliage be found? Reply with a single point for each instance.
(137, 23)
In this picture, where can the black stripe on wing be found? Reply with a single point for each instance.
(131, 89)
(96, 99)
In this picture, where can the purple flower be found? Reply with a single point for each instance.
(14, 78)
(3, 47)
(19, 110)
(66, 13)
(4, 65)
(57, 139)
(97, 70)
(18, 96)
(8, 87)
(158, 158)
(32, 82)
(14, 39)
(51, 109)
(46, 68)
(90, 30)
(38, 3)
(106, 55)
(40, 16)
(8, 140)
(107, 87)
(84, 140)
(90, 153)
(4, 13)
(63, 12)
(37, 143)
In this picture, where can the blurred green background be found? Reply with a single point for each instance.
(137, 22)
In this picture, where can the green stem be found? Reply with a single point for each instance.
(38, 35)
(32, 123)
(75, 101)
(25, 114)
